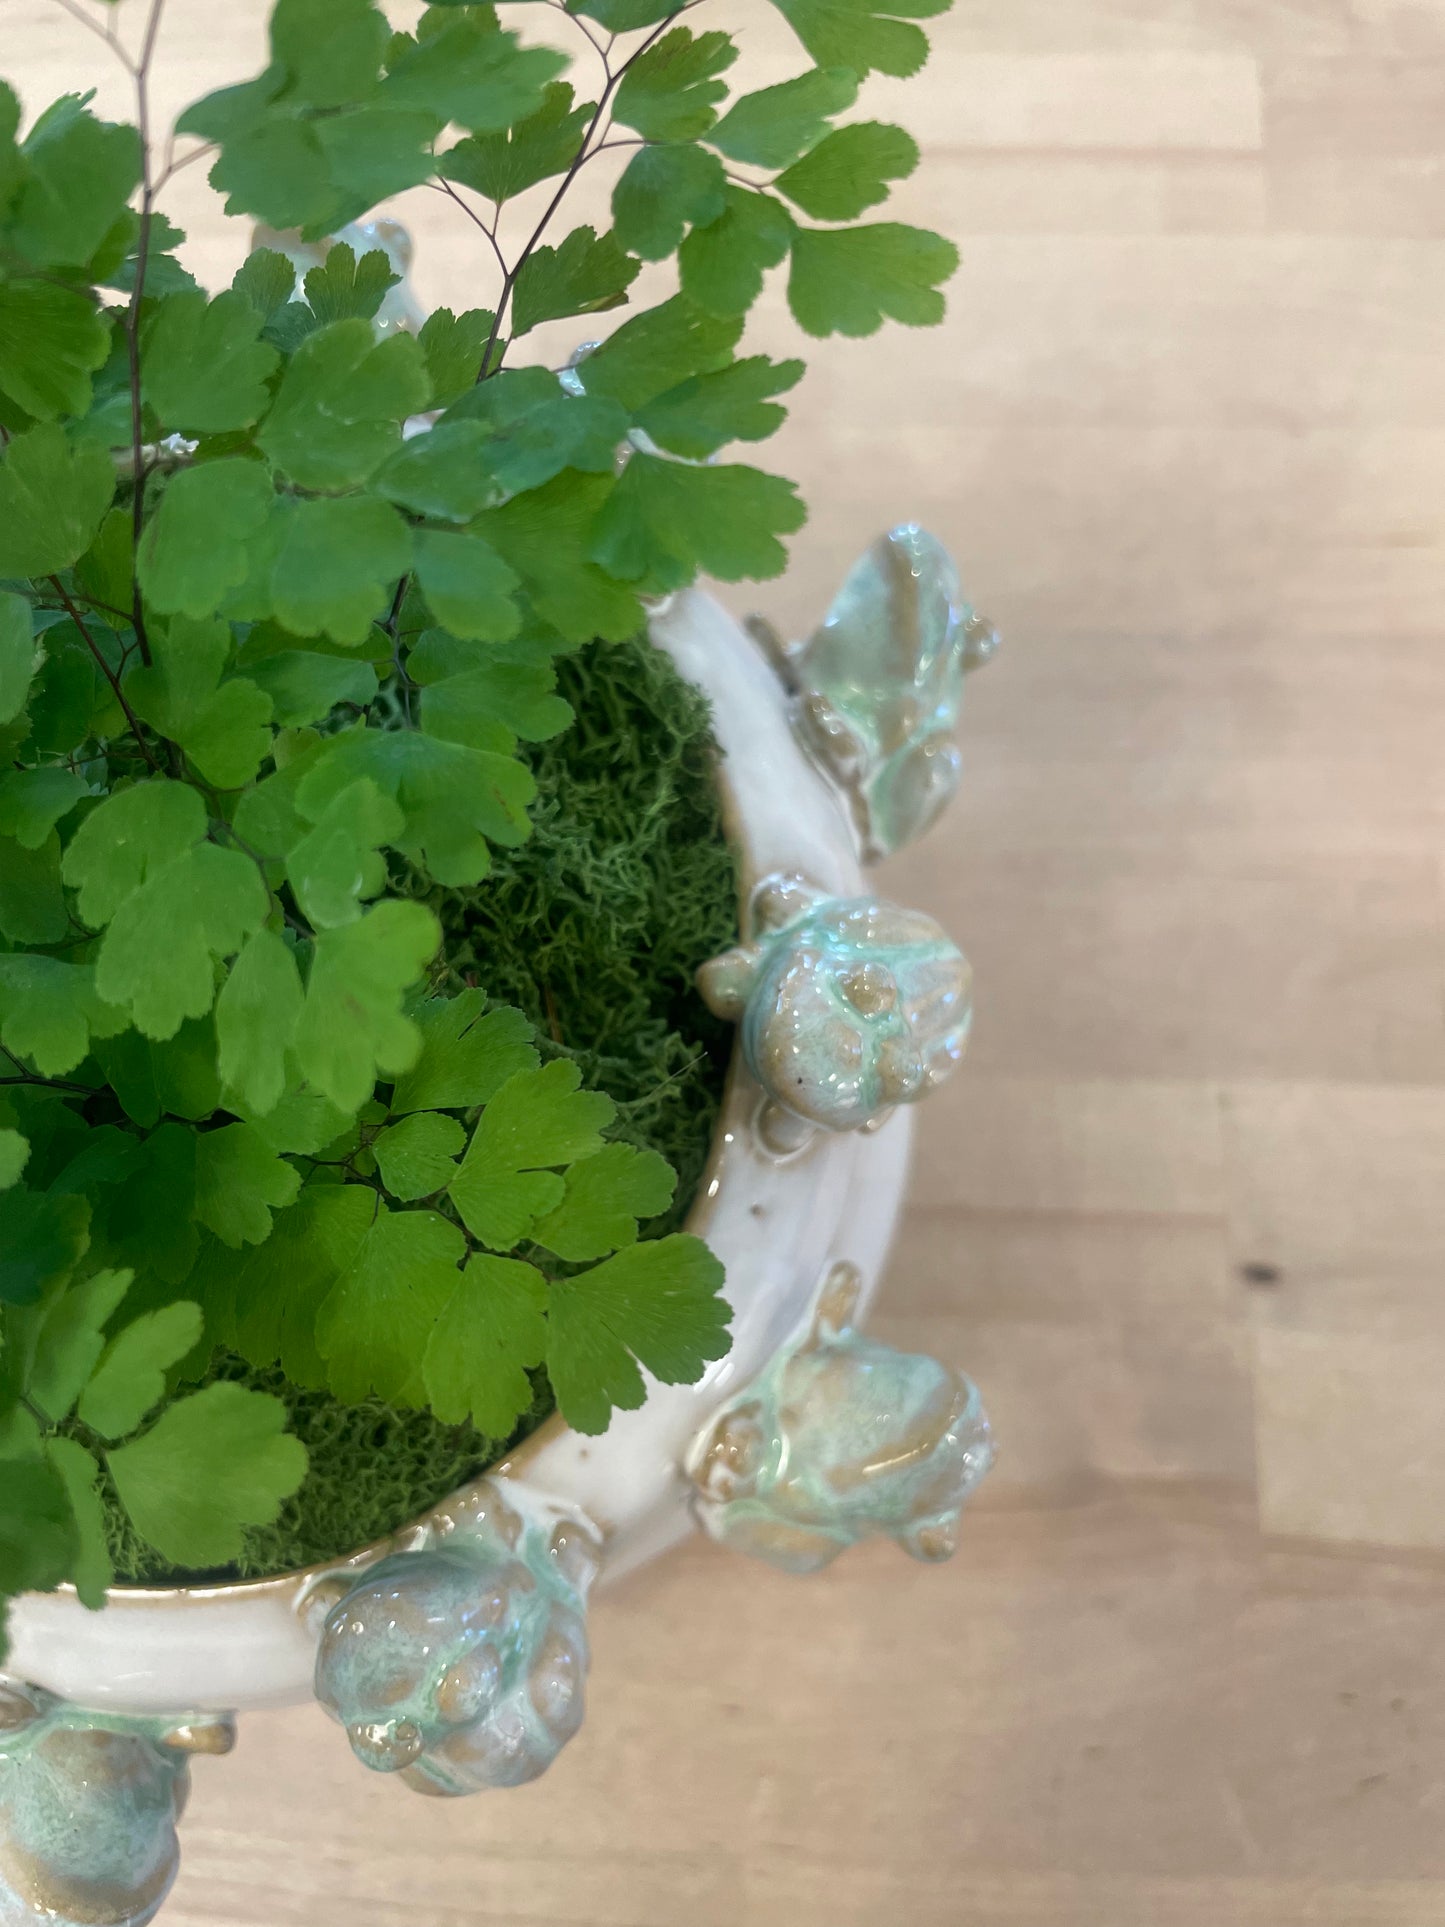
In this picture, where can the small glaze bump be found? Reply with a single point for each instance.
(462, 1664)
(878, 688)
(847, 1007)
(841, 1439)
(88, 1809)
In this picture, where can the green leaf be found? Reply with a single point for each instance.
(778, 124)
(453, 346)
(670, 92)
(130, 1379)
(466, 1056)
(305, 687)
(240, 1181)
(493, 703)
(331, 49)
(267, 280)
(19, 658)
(262, 1301)
(32, 903)
(256, 1017)
(336, 864)
(49, 1012)
(538, 1119)
(665, 522)
(502, 165)
(484, 1342)
(847, 280)
(212, 1464)
(463, 69)
(375, 1323)
(849, 172)
(42, 1240)
(654, 1305)
(723, 264)
(624, 16)
(664, 190)
(545, 535)
(657, 349)
(343, 288)
(70, 1337)
(53, 493)
(700, 416)
(606, 1195)
(339, 561)
(274, 169)
(198, 544)
(341, 403)
(533, 430)
(80, 172)
(149, 1220)
(586, 275)
(92, 1573)
(417, 1157)
(157, 959)
(204, 367)
(870, 36)
(37, 1530)
(130, 836)
(445, 474)
(224, 727)
(371, 154)
(51, 343)
(14, 1156)
(467, 585)
(352, 1025)
(33, 801)
(456, 799)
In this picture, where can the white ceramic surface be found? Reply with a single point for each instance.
(777, 1226)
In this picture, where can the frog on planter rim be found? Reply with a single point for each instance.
(88, 1809)
(462, 1664)
(839, 1439)
(848, 1006)
(877, 689)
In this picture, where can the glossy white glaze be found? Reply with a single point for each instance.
(777, 1226)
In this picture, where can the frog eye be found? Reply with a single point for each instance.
(735, 1458)
(870, 988)
(901, 1075)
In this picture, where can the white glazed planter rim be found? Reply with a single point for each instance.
(778, 1224)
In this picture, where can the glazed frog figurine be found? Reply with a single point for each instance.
(878, 688)
(462, 1664)
(839, 1439)
(848, 1006)
(88, 1809)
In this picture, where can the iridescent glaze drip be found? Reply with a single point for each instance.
(878, 688)
(462, 1663)
(88, 1809)
(841, 1439)
(847, 1007)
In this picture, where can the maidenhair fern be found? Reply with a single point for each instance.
(265, 668)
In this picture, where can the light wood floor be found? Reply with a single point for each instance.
(1184, 1214)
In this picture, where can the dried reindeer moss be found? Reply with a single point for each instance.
(594, 928)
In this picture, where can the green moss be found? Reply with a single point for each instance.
(594, 927)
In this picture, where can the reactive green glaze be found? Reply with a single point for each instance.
(847, 1006)
(88, 1809)
(462, 1664)
(841, 1439)
(879, 686)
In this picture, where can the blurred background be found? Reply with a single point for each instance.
(1183, 1214)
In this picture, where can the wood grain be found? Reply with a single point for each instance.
(1182, 1217)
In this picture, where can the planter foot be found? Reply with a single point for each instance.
(841, 1439)
(847, 1007)
(462, 1663)
(878, 688)
(88, 1808)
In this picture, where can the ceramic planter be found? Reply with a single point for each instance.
(456, 1653)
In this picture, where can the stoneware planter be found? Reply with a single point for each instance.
(456, 1653)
